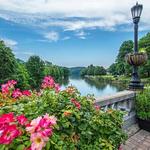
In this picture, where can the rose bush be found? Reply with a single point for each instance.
(80, 124)
(17, 132)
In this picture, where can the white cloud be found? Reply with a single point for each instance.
(73, 14)
(52, 36)
(9, 42)
(81, 35)
(66, 38)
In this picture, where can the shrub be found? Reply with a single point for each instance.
(143, 104)
(80, 124)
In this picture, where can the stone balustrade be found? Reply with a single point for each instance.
(124, 101)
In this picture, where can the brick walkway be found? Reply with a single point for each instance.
(139, 141)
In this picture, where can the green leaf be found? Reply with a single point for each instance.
(20, 147)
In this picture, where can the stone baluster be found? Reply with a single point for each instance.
(124, 101)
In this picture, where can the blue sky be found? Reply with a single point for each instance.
(69, 32)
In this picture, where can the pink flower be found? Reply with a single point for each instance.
(5, 88)
(38, 141)
(51, 119)
(33, 125)
(9, 134)
(76, 103)
(7, 118)
(97, 107)
(48, 82)
(44, 127)
(22, 119)
(16, 93)
(57, 88)
(11, 83)
(26, 93)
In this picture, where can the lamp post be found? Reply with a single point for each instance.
(136, 59)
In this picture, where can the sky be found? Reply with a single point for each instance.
(70, 32)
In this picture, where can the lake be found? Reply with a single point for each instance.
(86, 86)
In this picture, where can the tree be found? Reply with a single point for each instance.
(22, 77)
(93, 70)
(144, 45)
(120, 67)
(35, 67)
(102, 70)
(8, 64)
(113, 69)
(90, 70)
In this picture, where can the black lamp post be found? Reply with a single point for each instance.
(136, 58)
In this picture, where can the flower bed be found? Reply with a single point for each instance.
(56, 120)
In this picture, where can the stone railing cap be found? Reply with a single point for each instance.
(119, 96)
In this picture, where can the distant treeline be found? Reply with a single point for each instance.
(93, 70)
(28, 74)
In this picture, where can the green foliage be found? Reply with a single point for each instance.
(144, 45)
(22, 77)
(8, 64)
(93, 70)
(57, 72)
(143, 104)
(120, 67)
(77, 128)
(35, 67)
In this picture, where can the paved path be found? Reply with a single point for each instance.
(139, 141)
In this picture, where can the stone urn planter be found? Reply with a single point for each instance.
(144, 124)
(136, 59)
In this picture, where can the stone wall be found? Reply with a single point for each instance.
(124, 101)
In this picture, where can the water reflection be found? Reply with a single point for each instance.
(86, 86)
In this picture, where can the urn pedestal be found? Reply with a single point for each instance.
(135, 60)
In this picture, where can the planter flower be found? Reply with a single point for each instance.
(136, 59)
(143, 109)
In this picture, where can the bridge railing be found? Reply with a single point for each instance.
(123, 100)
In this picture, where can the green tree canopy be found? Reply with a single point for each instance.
(35, 66)
(120, 67)
(8, 64)
(144, 45)
(93, 70)
(22, 77)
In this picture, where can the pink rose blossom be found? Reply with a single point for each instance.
(26, 93)
(22, 119)
(10, 133)
(5, 88)
(57, 88)
(51, 119)
(11, 83)
(6, 118)
(38, 141)
(16, 93)
(33, 125)
(48, 82)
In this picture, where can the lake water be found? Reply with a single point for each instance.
(86, 86)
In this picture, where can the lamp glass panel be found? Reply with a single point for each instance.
(140, 10)
(136, 11)
(133, 12)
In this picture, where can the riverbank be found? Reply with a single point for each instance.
(115, 79)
